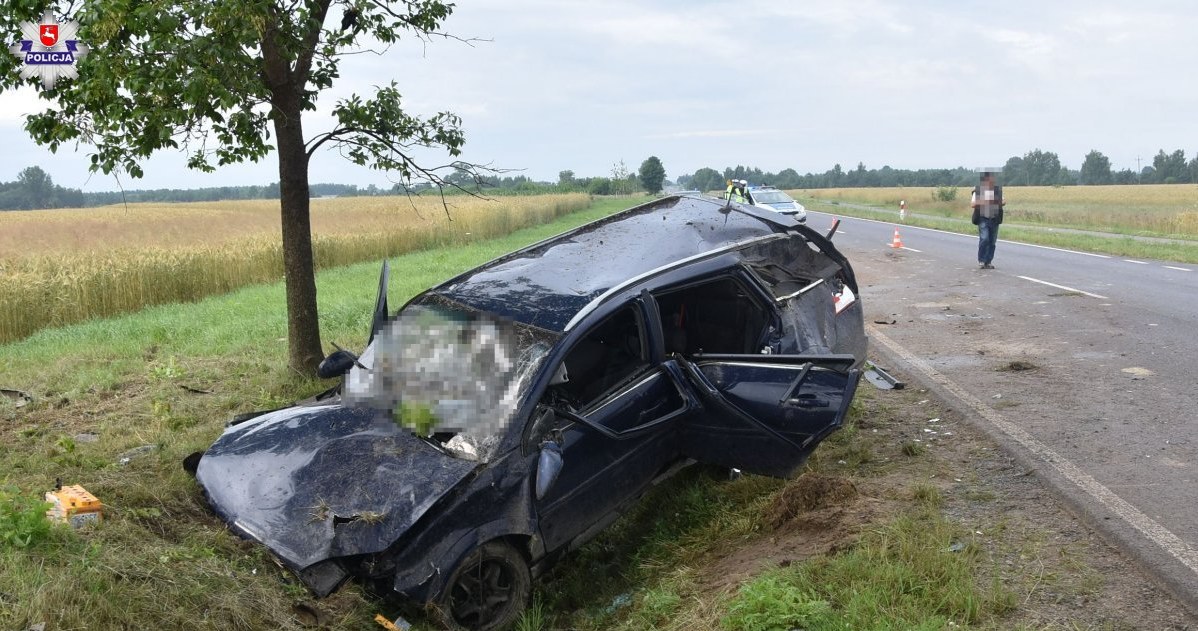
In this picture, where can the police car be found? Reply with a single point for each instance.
(771, 198)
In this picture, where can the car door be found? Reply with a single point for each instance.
(765, 414)
(613, 419)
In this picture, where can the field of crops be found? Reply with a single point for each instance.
(63, 266)
(1166, 210)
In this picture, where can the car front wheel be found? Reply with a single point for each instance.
(488, 590)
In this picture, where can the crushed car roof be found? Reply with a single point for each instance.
(549, 283)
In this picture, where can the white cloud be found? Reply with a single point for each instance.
(710, 133)
(574, 84)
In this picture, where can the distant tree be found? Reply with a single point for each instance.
(707, 179)
(1096, 169)
(1192, 168)
(651, 174)
(565, 178)
(887, 176)
(35, 187)
(1013, 172)
(1147, 175)
(836, 176)
(1125, 176)
(232, 81)
(599, 186)
(786, 178)
(1170, 168)
(619, 179)
(1042, 167)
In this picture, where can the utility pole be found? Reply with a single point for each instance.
(1138, 170)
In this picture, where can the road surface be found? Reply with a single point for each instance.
(1081, 364)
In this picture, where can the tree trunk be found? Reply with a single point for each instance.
(303, 326)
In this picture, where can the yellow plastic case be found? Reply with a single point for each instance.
(75, 506)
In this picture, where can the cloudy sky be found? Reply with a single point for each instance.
(581, 85)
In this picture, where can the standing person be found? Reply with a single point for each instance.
(987, 205)
(736, 191)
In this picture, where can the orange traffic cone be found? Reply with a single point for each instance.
(898, 241)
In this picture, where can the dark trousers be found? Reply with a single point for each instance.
(987, 238)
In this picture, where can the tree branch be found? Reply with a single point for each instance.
(303, 64)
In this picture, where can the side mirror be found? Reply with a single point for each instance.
(549, 466)
(336, 364)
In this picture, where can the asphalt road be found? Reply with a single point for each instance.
(1080, 364)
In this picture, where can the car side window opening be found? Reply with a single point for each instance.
(717, 316)
(608, 355)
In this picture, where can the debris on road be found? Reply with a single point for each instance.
(881, 379)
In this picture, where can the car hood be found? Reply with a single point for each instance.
(314, 483)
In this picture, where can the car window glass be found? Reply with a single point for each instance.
(610, 353)
(717, 316)
(771, 197)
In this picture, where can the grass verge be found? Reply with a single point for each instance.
(119, 402)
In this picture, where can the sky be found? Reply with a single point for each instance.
(553, 85)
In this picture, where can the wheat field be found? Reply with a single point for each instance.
(63, 266)
(1150, 209)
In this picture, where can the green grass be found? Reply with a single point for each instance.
(166, 379)
(1012, 230)
(903, 575)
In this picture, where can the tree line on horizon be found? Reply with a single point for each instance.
(1035, 168)
(34, 189)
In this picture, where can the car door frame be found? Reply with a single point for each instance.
(576, 430)
(786, 455)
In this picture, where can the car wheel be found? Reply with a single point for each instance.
(488, 590)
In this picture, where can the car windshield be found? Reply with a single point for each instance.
(770, 197)
(445, 371)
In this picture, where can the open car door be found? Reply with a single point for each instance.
(766, 413)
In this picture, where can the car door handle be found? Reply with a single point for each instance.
(809, 402)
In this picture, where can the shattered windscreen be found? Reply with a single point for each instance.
(441, 368)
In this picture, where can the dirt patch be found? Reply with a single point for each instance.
(807, 494)
(834, 524)
(1017, 366)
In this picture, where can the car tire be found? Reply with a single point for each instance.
(487, 591)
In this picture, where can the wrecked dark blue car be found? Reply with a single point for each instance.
(506, 416)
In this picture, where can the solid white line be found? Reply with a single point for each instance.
(912, 249)
(1048, 247)
(1044, 282)
(1136, 262)
(967, 236)
(1155, 532)
(1180, 269)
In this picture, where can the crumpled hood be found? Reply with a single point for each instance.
(313, 483)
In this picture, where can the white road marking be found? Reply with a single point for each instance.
(912, 249)
(1180, 269)
(1136, 262)
(1155, 532)
(1048, 247)
(1044, 282)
